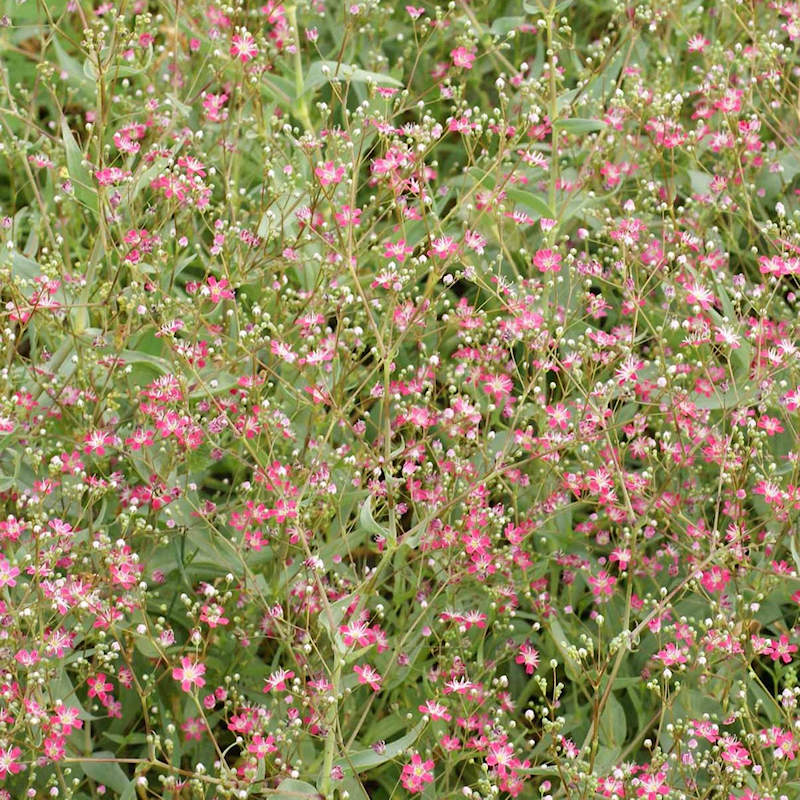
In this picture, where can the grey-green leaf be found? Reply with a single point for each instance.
(107, 772)
(531, 202)
(363, 760)
(368, 522)
(321, 72)
(577, 126)
(290, 789)
(81, 178)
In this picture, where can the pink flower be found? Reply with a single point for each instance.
(715, 579)
(435, 710)
(558, 416)
(498, 386)
(65, 718)
(781, 650)
(329, 173)
(698, 294)
(98, 687)
(8, 573)
(213, 615)
(243, 46)
(602, 586)
(348, 217)
(193, 728)
(417, 773)
(140, 438)
(355, 632)
(214, 107)
(462, 57)
(190, 674)
(529, 656)
(671, 654)
(8, 761)
(368, 675)
(547, 260)
(97, 441)
(697, 43)
(652, 787)
(736, 755)
(53, 747)
(277, 680)
(216, 290)
(475, 241)
(708, 730)
(262, 746)
(771, 425)
(111, 175)
(397, 250)
(443, 247)
(501, 757)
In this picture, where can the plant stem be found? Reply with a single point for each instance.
(330, 737)
(299, 85)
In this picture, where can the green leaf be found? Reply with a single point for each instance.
(78, 174)
(571, 664)
(363, 760)
(138, 357)
(503, 25)
(203, 388)
(733, 397)
(606, 758)
(352, 785)
(290, 789)
(107, 772)
(699, 181)
(368, 521)
(531, 202)
(334, 71)
(279, 89)
(331, 623)
(543, 6)
(24, 267)
(180, 106)
(129, 793)
(71, 66)
(793, 548)
(563, 522)
(179, 547)
(790, 161)
(577, 126)
(132, 738)
(61, 688)
(115, 71)
(613, 727)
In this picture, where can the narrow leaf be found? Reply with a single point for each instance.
(78, 174)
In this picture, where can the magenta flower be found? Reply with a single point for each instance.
(190, 674)
(416, 774)
(529, 656)
(368, 675)
(243, 46)
(547, 260)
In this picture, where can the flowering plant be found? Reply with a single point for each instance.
(399, 400)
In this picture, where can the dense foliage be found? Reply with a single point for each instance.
(399, 400)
